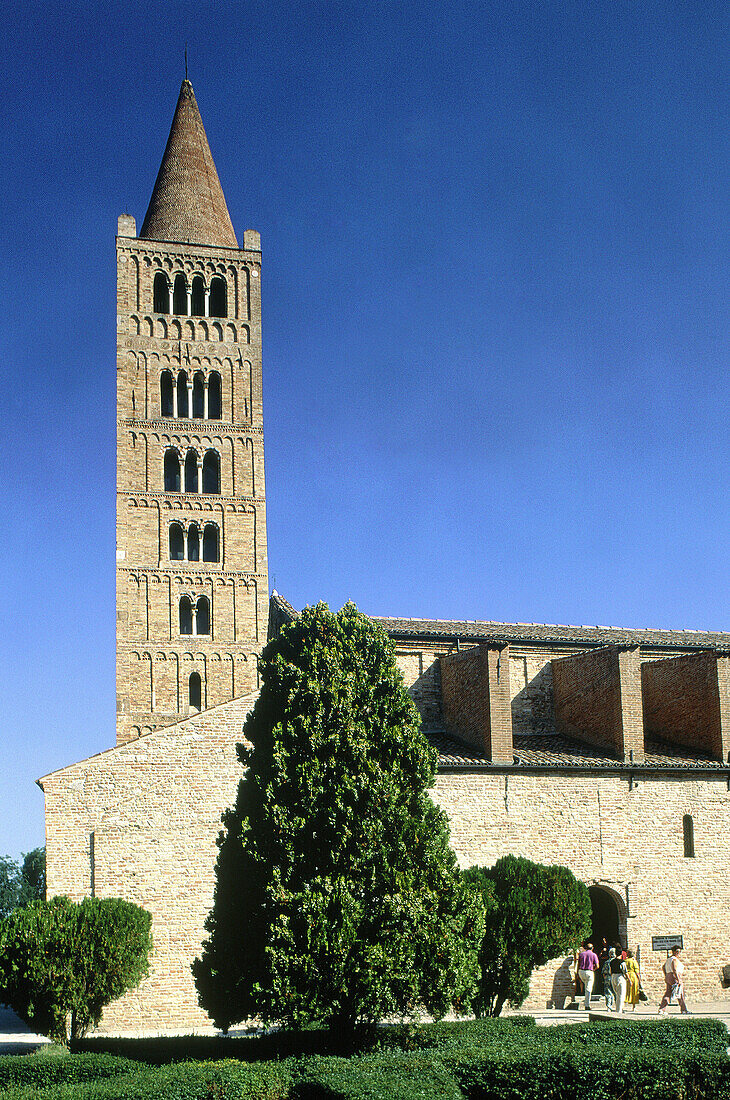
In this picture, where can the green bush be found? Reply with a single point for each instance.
(60, 960)
(338, 901)
(598, 1074)
(533, 913)
(42, 1071)
(395, 1076)
(186, 1081)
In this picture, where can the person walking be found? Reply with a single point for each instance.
(607, 979)
(619, 975)
(587, 967)
(633, 980)
(673, 970)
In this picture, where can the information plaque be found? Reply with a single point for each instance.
(666, 943)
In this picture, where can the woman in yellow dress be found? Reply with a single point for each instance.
(632, 980)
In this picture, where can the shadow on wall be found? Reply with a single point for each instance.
(532, 703)
(426, 694)
(563, 984)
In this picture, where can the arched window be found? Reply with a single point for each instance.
(214, 396)
(180, 295)
(177, 543)
(182, 394)
(217, 304)
(191, 472)
(688, 827)
(161, 293)
(166, 402)
(195, 693)
(210, 543)
(193, 542)
(198, 407)
(197, 297)
(202, 616)
(186, 616)
(211, 472)
(172, 471)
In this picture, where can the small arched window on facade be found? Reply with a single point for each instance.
(172, 471)
(197, 297)
(211, 472)
(161, 293)
(191, 472)
(177, 543)
(166, 401)
(182, 394)
(195, 694)
(218, 305)
(210, 543)
(214, 396)
(186, 615)
(193, 542)
(180, 295)
(202, 616)
(688, 828)
(198, 405)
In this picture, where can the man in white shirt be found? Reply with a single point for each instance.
(673, 970)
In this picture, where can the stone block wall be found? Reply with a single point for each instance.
(140, 821)
(627, 839)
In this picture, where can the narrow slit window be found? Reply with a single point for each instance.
(688, 827)
(211, 472)
(210, 542)
(191, 472)
(195, 693)
(182, 394)
(198, 404)
(218, 306)
(186, 616)
(202, 616)
(214, 396)
(166, 401)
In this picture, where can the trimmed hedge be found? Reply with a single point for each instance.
(394, 1076)
(596, 1074)
(184, 1081)
(42, 1070)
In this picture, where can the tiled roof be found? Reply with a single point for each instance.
(542, 632)
(187, 203)
(538, 632)
(555, 750)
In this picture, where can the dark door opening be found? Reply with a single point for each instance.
(604, 918)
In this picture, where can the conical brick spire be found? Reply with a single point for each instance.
(187, 203)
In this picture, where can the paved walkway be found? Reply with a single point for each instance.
(15, 1036)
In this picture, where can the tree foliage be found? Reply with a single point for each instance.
(338, 900)
(22, 883)
(62, 962)
(533, 913)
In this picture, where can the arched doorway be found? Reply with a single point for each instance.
(608, 917)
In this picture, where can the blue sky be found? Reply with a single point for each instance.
(495, 242)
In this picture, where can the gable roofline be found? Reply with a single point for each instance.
(154, 735)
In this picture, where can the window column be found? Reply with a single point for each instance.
(207, 301)
(200, 473)
(205, 398)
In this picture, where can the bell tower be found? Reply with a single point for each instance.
(192, 584)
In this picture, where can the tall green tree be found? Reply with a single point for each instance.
(22, 883)
(533, 913)
(338, 900)
(62, 962)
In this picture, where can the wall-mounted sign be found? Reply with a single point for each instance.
(666, 943)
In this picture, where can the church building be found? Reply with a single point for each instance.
(605, 750)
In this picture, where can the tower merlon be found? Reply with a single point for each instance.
(127, 226)
(251, 240)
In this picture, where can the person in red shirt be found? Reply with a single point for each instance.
(587, 966)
